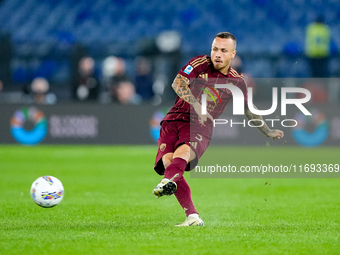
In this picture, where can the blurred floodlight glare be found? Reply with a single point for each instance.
(168, 41)
(109, 66)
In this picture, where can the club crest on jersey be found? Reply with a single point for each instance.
(188, 69)
(162, 147)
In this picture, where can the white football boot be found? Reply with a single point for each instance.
(165, 187)
(191, 220)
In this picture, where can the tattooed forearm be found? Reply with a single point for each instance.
(257, 121)
(182, 89)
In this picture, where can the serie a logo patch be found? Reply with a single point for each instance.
(188, 69)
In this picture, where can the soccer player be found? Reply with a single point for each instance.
(186, 132)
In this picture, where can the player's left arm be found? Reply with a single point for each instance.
(257, 120)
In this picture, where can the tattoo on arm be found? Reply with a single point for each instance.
(182, 89)
(256, 121)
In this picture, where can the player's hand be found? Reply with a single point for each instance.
(202, 118)
(275, 134)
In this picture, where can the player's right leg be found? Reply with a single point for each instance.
(175, 183)
(176, 148)
(174, 153)
(167, 159)
(175, 165)
(167, 186)
(166, 146)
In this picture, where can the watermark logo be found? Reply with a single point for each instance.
(238, 100)
(212, 97)
(238, 103)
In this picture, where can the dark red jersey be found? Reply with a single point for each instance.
(203, 77)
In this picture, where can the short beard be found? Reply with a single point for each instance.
(220, 68)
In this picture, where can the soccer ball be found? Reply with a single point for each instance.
(47, 191)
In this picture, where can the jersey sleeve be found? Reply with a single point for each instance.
(195, 67)
(244, 89)
(241, 83)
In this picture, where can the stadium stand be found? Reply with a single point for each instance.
(270, 33)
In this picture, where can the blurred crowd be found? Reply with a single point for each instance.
(111, 83)
(106, 80)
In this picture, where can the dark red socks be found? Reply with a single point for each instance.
(177, 166)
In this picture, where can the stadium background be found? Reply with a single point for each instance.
(103, 150)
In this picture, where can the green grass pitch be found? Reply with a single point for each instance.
(108, 207)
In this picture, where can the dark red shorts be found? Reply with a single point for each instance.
(175, 133)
